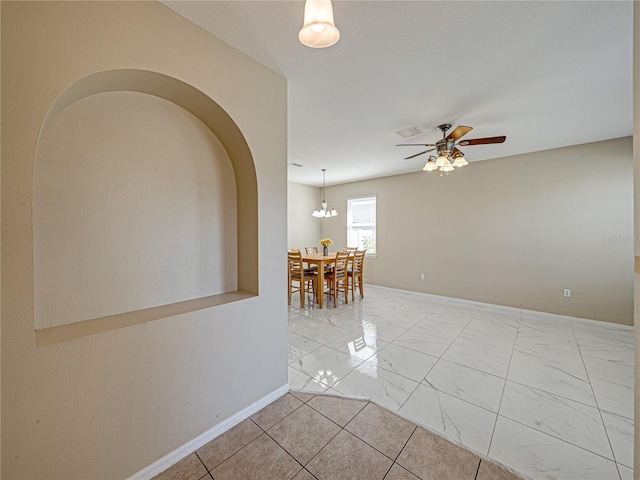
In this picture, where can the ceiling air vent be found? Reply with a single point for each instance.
(410, 132)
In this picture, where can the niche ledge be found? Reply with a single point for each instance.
(84, 328)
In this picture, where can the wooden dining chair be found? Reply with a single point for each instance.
(303, 276)
(351, 250)
(311, 249)
(308, 267)
(337, 279)
(354, 273)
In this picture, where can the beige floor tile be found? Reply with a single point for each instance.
(346, 456)
(431, 457)
(303, 433)
(381, 429)
(276, 411)
(340, 410)
(303, 397)
(219, 449)
(189, 468)
(304, 475)
(399, 473)
(260, 460)
(490, 471)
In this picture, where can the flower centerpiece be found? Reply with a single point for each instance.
(325, 242)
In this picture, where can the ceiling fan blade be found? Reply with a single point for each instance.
(482, 141)
(459, 132)
(416, 145)
(456, 153)
(418, 154)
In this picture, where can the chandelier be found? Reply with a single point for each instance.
(325, 211)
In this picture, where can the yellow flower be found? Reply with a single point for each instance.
(325, 242)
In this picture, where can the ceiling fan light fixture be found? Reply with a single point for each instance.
(449, 156)
(460, 162)
(441, 161)
(447, 167)
(430, 166)
(318, 30)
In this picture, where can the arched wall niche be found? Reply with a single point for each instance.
(225, 129)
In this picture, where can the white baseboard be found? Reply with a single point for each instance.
(506, 307)
(179, 453)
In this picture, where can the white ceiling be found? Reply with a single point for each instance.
(545, 74)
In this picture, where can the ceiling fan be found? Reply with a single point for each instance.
(449, 156)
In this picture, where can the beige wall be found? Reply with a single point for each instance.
(303, 230)
(109, 405)
(636, 191)
(0, 258)
(512, 231)
(134, 207)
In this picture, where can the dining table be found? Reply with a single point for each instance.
(321, 261)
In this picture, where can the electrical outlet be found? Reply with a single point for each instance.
(422, 276)
(567, 292)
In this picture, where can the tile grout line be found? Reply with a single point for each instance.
(506, 376)
(434, 366)
(278, 443)
(478, 470)
(234, 453)
(549, 434)
(558, 438)
(405, 446)
(393, 460)
(378, 350)
(606, 432)
(618, 469)
(563, 397)
(315, 410)
(406, 443)
(330, 440)
(205, 467)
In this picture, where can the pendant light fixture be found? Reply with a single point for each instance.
(325, 211)
(318, 30)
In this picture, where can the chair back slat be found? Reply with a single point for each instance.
(340, 267)
(358, 261)
(311, 249)
(296, 268)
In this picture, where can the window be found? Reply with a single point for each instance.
(361, 223)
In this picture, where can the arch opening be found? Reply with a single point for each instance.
(224, 131)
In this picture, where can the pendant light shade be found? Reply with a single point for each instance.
(447, 167)
(325, 210)
(318, 30)
(430, 166)
(440, 162)
(460, 162)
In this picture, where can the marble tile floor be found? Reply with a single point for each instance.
(304, 437)
(547, 396)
